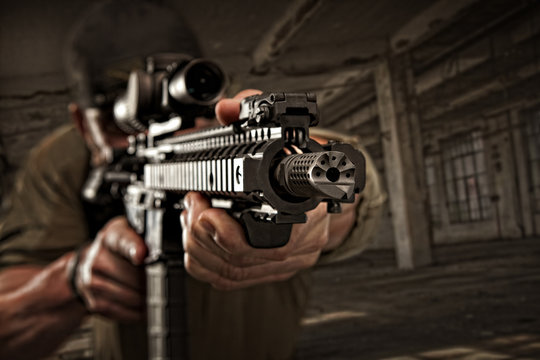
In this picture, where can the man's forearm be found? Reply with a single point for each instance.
(37, 310)
(341, 225)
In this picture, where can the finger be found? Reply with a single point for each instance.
(201, 273)
(203, 235)
(120, 270)
(194, 204)
(230, 236)
(103, 287)
(227, 110)
(199, 223)
(229, 271)
(218, 261)
(115, 311)
(121, 239)
(197, 231)
(225, 231)
(198, 240)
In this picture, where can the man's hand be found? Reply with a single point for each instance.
(228, 110)
(217, 252)
(110, 278)
(38, 310)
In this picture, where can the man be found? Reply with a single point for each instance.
(56, 250)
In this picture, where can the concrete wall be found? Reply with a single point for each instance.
(483, 85)
(33, 93)
(477, 79)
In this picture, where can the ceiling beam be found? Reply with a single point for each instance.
(512, 65)
(341, 82)
(474, 36)
(522, 90)
(421, 27)
(273, 42)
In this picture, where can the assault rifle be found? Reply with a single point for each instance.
(264, 169)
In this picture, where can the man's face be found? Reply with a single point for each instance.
(102, 130)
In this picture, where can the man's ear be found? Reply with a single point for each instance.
(77, 117)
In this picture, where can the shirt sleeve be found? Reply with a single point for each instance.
(46, 217)
(368, 211)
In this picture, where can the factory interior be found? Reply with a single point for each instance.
(444, 96)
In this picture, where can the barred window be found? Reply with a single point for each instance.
(532, 135)
(465, 179)
(431, 183)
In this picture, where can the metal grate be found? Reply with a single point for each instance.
(465, 179)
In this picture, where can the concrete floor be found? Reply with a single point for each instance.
(479, 301)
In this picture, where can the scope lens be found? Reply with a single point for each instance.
(204, 81)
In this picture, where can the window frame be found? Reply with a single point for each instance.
(465, 178)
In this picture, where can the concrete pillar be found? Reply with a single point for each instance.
(519, 144)
(402, 146)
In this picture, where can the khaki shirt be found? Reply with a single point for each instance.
(47, 219)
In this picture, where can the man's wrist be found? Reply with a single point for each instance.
(341, 226)
(73, 273)
(46, 288)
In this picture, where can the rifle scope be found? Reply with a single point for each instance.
(187, 88)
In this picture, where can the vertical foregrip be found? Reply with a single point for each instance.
(265, 234)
